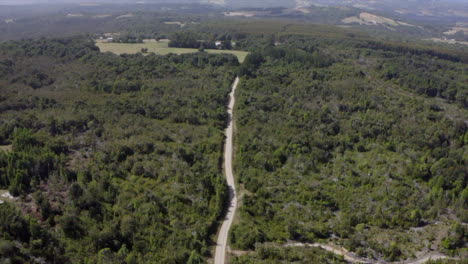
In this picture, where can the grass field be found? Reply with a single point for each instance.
(160, 48)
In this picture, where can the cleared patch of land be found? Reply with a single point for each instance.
(5, 196)
(449, 41)
(180, 24)
(454, 30)
(125, 16)
(160, 48)
(244, 14)
(7, 148)
(371, 19)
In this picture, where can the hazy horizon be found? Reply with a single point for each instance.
(446, 8)
(207, 1)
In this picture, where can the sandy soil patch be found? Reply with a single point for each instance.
(6, 148)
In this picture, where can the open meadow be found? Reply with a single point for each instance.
(160, 48)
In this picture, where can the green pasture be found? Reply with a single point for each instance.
(160, 48)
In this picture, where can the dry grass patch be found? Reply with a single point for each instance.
(7, 148)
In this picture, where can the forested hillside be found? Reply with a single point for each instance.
(362, 147)
(113, 159)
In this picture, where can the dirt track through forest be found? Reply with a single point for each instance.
(353, 258)
(221, 243)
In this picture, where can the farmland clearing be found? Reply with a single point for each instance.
(371, 19)
(159, 48)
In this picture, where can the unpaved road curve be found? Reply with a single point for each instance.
(221, 243)
(350, 257)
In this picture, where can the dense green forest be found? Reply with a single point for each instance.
(114, 159)
(356, 145)
(340, 138)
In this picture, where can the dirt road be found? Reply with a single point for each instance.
(352, 258)
(221, 243)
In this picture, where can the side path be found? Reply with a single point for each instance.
(353, 258)
(221, 243)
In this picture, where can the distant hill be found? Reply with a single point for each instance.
(424, 8)
(450, 8)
